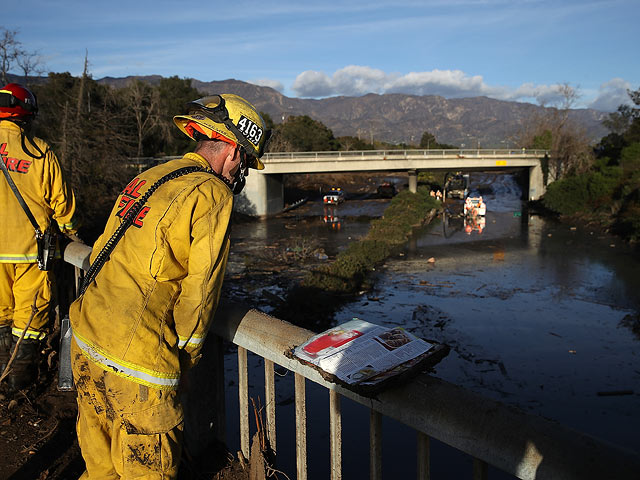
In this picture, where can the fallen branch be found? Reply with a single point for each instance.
(46, 437)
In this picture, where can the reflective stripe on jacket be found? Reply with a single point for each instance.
(43, 188)
(156, 294)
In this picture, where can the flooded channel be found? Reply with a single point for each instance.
(538, 314)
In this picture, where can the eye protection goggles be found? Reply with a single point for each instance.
(9, 100)
(220, 114)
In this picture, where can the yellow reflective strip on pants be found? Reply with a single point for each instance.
(30, 334)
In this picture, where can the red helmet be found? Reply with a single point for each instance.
(17, 102)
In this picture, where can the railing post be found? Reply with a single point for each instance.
(375, 445)
(243, 400)
(270, 402)
(301, 427)
(335, 424)
(479, 469)
(220, 415)
(77, 278)
(424, 457)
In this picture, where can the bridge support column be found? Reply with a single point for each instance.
(413, 181)
(263, 195)
(536, 182)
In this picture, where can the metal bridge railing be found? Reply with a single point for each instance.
(411, 153)
(145, 162)
(524, 445)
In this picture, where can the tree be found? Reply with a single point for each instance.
(552, 128)
(543, 141)
(303, 134)
(9, 51)
(87, 126)
(624, 125)
(632, 134)
(12, 53)
(428, 141)
(143, 102)
(173, 94)
(349, 143)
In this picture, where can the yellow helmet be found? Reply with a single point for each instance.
(229, 118)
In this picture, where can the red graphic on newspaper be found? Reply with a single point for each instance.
(331, 339)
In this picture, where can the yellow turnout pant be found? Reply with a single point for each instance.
(20, 283)
(125, 430)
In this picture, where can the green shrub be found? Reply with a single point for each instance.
(567, 196)
(630, 158)
(583, 193)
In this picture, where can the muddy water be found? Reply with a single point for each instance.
(536, 314)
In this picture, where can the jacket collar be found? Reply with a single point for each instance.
(199, 159)
(10, 125)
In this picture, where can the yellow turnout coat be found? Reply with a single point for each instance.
(41, 184)
(148, 310)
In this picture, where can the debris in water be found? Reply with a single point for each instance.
(431, 260)
(612, 393)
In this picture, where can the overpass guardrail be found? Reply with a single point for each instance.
(523, 445)
(391, 154)
(144, 162)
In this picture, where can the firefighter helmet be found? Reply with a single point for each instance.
(17, 102)
(229, 118)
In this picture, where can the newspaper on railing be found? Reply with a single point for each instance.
(364, 355)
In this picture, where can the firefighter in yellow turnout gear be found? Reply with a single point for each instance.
(141, 322)
(36, 173)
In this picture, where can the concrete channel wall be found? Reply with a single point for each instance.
(524, 445)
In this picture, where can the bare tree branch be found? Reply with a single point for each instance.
(9, 51)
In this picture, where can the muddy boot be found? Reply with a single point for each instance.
(24, 368)
(5, 346)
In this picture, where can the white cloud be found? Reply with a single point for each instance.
(267, 82)
(314, 84)
(611, 95)
(354, 80)
(446, 83)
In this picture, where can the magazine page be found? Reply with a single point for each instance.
(357, 350)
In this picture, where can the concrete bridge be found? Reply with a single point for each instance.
(264, 192)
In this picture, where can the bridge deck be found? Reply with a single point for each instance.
(401, 160)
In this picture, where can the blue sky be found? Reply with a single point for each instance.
(509, 50)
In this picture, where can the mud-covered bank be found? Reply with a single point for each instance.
(304, 283)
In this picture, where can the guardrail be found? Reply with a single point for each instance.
(393, 154)
(526, 446)
(389, 154)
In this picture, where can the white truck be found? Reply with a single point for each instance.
(474, 206)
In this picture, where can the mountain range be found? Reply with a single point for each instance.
(398, 118)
